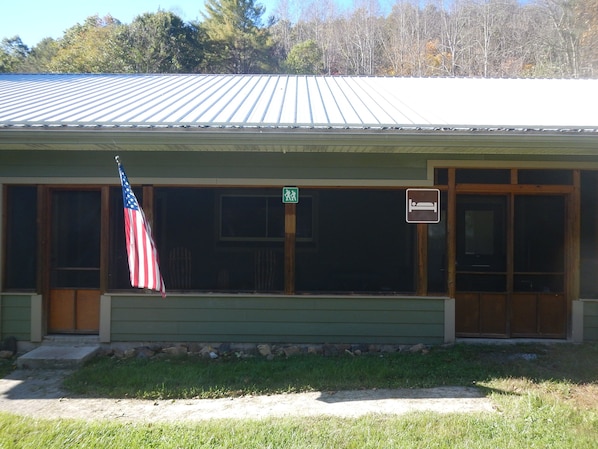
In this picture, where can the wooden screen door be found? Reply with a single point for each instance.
(510, 266)
(74, 255)
(481, 302)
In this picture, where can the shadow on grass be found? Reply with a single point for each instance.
(404, 393)
(462, 365)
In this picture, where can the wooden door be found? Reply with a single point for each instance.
(481, 301)
(74, 261)
(510, 283)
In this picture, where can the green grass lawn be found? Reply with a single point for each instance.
(546, 397)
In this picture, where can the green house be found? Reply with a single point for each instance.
(301, 209)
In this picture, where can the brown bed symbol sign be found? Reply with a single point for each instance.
(423, 205)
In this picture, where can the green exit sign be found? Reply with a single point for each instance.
(290, 194)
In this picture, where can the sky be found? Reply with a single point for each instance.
(34, 20)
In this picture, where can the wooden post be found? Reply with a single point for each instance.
(290, 228)
(148, 204)
(572, 245)
(451, 233)
(104, 238)
(422, 259)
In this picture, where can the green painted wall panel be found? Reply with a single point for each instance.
(268, 315)
(279, 319)
(365, 303)
(590, 321)
(241, 164)
(214, 165)
(15, 316)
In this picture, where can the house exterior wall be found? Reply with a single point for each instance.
(286, 319)
(254, 318)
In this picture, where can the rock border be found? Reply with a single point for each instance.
(249, 350)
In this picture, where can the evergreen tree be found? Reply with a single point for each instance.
(160, 42)
(13, 54)
(236, 40)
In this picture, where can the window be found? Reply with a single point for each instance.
(261, 218)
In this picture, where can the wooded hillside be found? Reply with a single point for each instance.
(481, 38)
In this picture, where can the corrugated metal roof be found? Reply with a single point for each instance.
(310, 102)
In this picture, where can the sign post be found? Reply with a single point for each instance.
(423, 206)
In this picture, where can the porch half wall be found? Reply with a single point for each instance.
(15, 316)
(590, 320)
(276, 319)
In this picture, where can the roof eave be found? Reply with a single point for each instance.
(458, 140)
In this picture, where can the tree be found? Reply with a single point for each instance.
(305, 58)
(587, 13)
(236, 40)
(160, 43)
(361, 47)
(13, 54)
(40, 57)
(572, 21)
(90, 48)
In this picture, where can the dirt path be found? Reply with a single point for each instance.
(39, 394)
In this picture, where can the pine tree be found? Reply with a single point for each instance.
(237, 42)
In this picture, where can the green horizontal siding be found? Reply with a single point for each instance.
(238, 164)
(278, 319)
(590, 321)
(249, 164)
(15, 316)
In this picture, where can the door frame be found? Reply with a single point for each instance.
(572, 202)
(81, 295)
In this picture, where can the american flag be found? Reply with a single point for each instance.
(141, 249)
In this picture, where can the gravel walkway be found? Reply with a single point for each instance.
(38, 393)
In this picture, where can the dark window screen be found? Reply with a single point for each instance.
(21, 238)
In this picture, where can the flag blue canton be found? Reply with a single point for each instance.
(129, 199)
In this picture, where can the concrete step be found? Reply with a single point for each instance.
(57, 356)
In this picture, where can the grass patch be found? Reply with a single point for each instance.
(546, 397)
(491, 367)
(529, 424)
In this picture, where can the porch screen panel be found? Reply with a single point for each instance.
(437, 269)
(75, 255)
(539, 252)
(362, 244)
(220, 240)
(21, 238)
(589, 235)
(185, 233)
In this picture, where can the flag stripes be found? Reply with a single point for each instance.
(142, 254)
